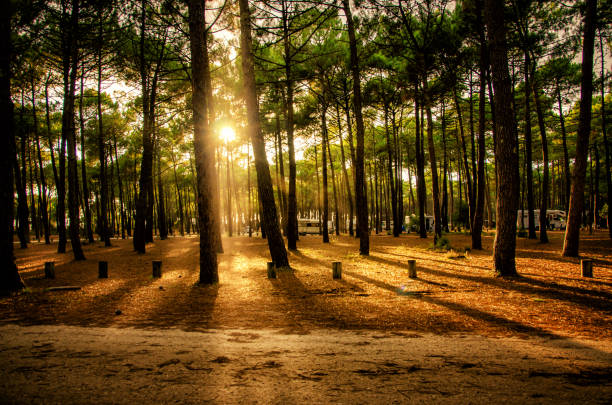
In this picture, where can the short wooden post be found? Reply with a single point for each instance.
(102, 269)
(49, 269)
(157, 268)
(586, 266)
(412, 268)
(271, 270)
(337, 270)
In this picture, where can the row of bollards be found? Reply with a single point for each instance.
(102, 269)
(586, 268)
(337, 270)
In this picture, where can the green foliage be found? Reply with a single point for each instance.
(442, 244)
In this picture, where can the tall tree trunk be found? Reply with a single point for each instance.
(264, 181)
(435, 189)
(143, 231)
(204, 155)
(162, 221)
(528, 158)
(334, 188)
(444, 172)
(9, 275)
(360, 190)
(111, 187)
(147, 145)
(33, 209)
(566, 167)
(50, 136)
(345, 173)
(390, 160)
(88, 227)
(596, 185)
(470, 192)
(249, 204)
(23, 230)
(421, 192)
(281, 168)
(325, 220)
(545, 196)
(292, 226)
(399, 183)
(104, 203)
(480, 183)
(572, 232)
(604, 133)
(228, 205)
(70, 61)
(318, 188)
(214, 145)
(178, 196)
(120, 184)
(474, 180)
(43, 181)
(506, 154)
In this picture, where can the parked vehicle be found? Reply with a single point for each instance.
(310, 226)
(555, 219)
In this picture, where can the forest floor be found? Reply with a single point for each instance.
(454, 334)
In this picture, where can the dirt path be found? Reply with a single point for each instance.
(304, 337)
(60, 364)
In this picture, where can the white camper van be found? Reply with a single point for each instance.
(310, 226)
(556, 219)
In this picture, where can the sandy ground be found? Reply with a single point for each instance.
(456, 334)
(452, 293)
(59, 364)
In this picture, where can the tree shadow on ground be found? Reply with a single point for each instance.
(597, 299)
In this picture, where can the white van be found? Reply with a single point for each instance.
(557, 219)
(310, 226)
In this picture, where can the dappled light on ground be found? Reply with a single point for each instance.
(454, 292)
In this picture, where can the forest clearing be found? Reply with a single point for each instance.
(296, 201)
(452, 292)
(452, 335)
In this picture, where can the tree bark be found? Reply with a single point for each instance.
(325, 219)
(23, 230)
(88, 227)
(104, 203)
(213, 145)
(421, 192)
(205, 162)
(480, 184)
(506, 153)
(435, 189)
(292, 226)
(43, 181)
(9, 275)
(572, 232)
(390, 160)
(334, 188)
(470, 192)
(604, 133)
(360, 190)
(528, 158)
(162, 222)
(70, 61)
(345, 173)
(566, 167)
(545, 196)
(445, 179)
(264, 180)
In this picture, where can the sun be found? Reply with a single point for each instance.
(227, 134)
